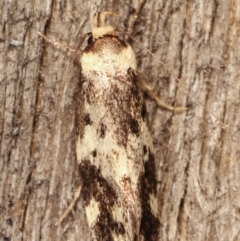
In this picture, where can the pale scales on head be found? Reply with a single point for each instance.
(111, 61)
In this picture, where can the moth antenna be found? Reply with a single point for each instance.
(103, 17)
(133, 20)
(57, 44)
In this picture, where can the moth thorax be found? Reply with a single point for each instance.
(108, 55)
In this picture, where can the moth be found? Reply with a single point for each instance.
(114, 146)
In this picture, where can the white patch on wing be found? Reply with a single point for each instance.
(92, 211)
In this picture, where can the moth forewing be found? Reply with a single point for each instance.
(114, 148)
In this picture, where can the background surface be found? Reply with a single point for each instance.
(197, 152)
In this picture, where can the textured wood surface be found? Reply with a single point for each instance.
(197, 154)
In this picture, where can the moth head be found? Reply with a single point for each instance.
(99, 27)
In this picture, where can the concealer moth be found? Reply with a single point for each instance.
(114, 146)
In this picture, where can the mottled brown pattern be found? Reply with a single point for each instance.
(126, 107)
(94, 185)
(122, 117)
(149, 223)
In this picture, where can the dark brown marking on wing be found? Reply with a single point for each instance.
(94, 185)
(94, 153)
(87, 119)
(134, 126)
(102, 130)
(148, 184)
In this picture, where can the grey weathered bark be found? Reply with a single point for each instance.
(197, 152)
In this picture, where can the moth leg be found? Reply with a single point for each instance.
(70, 207)
(148, 89)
